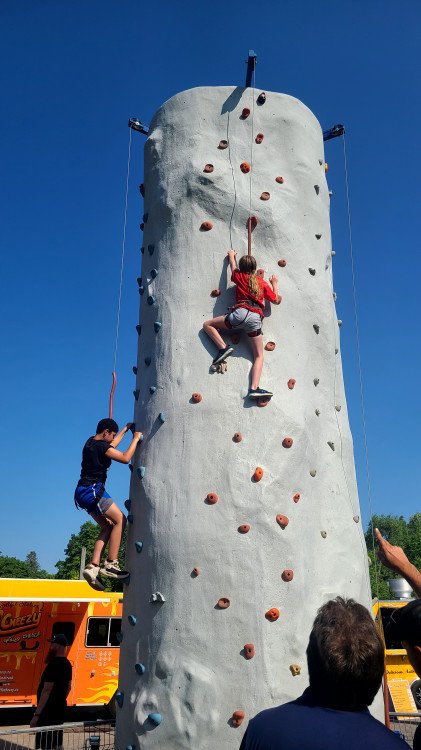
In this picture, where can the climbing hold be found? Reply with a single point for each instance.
(336, 351)
(195, 572)
(136, 393)
(139, 329)
(316, 381)
(119, 636)
(261, 98)
(154, 273)
(223, 144)
(287, 575)
(215, 293)
(237, 718)
(260, 273)
(151, 249)
(291, 383)
(235, 338)
(272, 614)
(142, 190)
(320, 162)
(259, 138)
(323, 534)
(287, 442)
(156, 597)
(295, 669)
(145, 217)
(283, 521)
(265, 196)
(130, 518)
(318, 236)
(151, 299)
(356, 518)
(317, 412)
(223, 603)
(296, 497)
(196, 398)
(155, 718)
(148, 361)
(132, 619)
(312, 271)
(152, 389)
(339, 323)
(140, 668)
(134, 368)
(253, 221)
(131, 468)
(138, 547)
(249, 650)
(331, 445)
(282, 263)
(245, 113)
(162, 417)
(313, 472)
(141, 471)
(157, 325)
(326, 167)
(263, 402)
(244, 528)
(316, 327)
(330, 192)
(237, 438)
(212, 498)
(258, 474)
(139, 281)
(245, 167)
(141, 290)
(142, 250)
(270, 346)
(280, 180)
(317, 189)
(128, 504)
(208, 168)
(119, 698)
(141, 226)
(333, 253)
(206, 226)
(338, 407)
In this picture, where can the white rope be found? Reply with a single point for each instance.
(122, 252)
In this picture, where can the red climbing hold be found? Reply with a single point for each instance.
(223, 602)
(287, 442)
(206, 226)
(212, 498)
(272, 614)
(260, 273)
(196, 572)
(223, 144)
(283, 521)
(208, 168)
(244, 528)
(245, 113)
(259, 138)
(261, 98)
(291, 383)
(287, 575)
(196, 398)
(235, 338)
(238, 718)
(260, 402)
(282, 263)
(258, 473)
(237, 437)
(245, 167)
(253, 221)
(215, 292)
(249, 650)
(296, 497)
(265, 196)
(270, 346)
(280, 180)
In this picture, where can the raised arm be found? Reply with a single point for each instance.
(118, 438)
(394, 558)
(274, 281)
(124, 458)
(232, 260)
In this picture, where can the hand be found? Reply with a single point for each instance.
(33, 722)
(137, 436)
(130, 426)
(273, 279)
(391, 556)
(231, 253)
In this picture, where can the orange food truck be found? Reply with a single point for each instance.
(33, 610)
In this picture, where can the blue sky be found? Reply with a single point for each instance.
(72, 73)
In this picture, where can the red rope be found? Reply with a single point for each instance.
(114, 383)
(249, 236)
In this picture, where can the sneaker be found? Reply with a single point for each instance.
(257, 393)
(90, 575)
(222, 355)
(112, 569)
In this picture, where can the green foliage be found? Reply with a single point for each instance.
(397, 531)
(86, 537)
(11, 567)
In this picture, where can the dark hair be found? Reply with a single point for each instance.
(106, 424)
(345, 656)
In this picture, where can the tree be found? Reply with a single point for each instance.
(12, 567)
(86, 537)
(405, 534)
(32, 561)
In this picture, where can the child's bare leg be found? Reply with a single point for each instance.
(118, 520)
(211, 328)
(102, 541)
(256, 343)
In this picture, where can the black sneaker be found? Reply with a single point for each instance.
(259, 393)
(112, 569)
(222, 355)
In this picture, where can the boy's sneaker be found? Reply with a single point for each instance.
(259, 393)
(90, 575)
(112, 569)
(222, 355)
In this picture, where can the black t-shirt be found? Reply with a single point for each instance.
(94, 462)
(58, 671)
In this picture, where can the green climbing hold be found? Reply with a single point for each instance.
(141, 471)
(138, 546)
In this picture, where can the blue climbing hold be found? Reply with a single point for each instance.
(148, 360)
(145, 217)
(139, 280)
(141, 471)
(155, 718)
(154, 273)
(139, 330)
(141, 226)
(151, 249)
(142, 250)
(128, 504)
(162, 417)
(130, 747)
(134, 368)
(152, 389)
(132, 619)
(151, 299)
(142, 190)
(130, 518)
(141, 290)
(138, 546)
(136, 393)
(157, 325)
(130, 467)
(140, 668)
(119, 697)
(119, 636)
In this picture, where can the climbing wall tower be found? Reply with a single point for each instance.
(243, 520)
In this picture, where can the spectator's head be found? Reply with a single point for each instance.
(58, 646)
(345, 656)
(107, 428)
(405, 625)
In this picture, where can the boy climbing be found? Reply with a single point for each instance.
(90, 495)
(246, 315)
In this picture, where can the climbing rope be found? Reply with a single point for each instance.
(249, 227)
(114, 373)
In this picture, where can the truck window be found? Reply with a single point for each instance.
(67, 628)
(386, 613)
(102, 631)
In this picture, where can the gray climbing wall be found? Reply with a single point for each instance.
(183, 660)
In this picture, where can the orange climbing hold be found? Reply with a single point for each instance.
(196, 572)
(238, 718)
(296, 497)
(206, 226)
(272, 614)
(260, 273)
(196, 398)
(249, 650)
(212, 498)
(265, 196)
(280, 180)
(245, 113)
(287, 575)
(287, 442)
(223, 603)
(282, 263)
(259, 138)
(291, 383)
(270, 346)
(237, 437)
(215, 292)
(283, 521)
(326, 167)
(223, 144)
(244, 528)
(245, 167)
(208, 168)
(258, 473)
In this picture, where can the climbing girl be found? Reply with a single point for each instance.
(246, 315)
(90, 495)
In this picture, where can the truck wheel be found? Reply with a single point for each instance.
(416, 692)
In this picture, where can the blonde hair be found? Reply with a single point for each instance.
(247, 264)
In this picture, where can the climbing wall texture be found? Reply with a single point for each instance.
(243, 558)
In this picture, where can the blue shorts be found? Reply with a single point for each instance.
(93, 498)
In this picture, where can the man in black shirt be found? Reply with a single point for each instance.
(53, 689)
